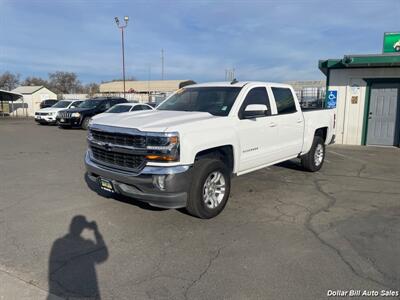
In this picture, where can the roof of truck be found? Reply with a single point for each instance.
(236, 84)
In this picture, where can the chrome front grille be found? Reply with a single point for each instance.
(120, 139)
(125, 160)
(64, 114)
(118, 149)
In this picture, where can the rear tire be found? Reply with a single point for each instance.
(314, 159)
(210, 188)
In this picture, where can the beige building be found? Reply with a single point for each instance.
(365, 89)
(150, 86)
(32, 96)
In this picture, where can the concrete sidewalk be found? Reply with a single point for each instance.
(14, 288)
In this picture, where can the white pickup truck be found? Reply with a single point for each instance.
(184, 153)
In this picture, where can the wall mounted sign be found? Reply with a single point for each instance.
(354, 99)
(331, 99)
(391, 42)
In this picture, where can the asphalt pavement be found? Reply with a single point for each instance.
(284, 234)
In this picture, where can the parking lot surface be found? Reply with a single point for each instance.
(284, 234)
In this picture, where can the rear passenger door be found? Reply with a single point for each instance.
(290, 122)
(105, 105)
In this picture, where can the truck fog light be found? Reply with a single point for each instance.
(159, 181)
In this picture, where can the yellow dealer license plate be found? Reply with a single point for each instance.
(106, 185)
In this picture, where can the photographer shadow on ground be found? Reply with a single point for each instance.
(73, 259)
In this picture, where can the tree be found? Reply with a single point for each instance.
(64, 82)
(9, 81)
(32, 80)
(91, 88)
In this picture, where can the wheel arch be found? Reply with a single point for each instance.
(223, 152)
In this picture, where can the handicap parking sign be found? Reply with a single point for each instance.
(331, 99)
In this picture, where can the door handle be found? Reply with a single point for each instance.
(272, 124)
(299, 121)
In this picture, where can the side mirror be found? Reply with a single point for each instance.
(253, 111)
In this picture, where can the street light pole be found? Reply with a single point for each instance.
(122, 27)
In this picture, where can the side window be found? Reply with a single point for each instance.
(113, 102)
(75, 104)
(145, 107)
(136, 108)
(105, 105)
(284, 100)
(256, 96)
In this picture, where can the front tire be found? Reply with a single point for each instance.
(210, 188)
(314, 159)
(85, 123)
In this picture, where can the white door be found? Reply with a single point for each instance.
(290, 123)
(258, 136)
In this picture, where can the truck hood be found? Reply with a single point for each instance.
(50, 109)
(152, 120)
(79, 109)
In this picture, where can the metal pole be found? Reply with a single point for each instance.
(162, 64)
(123, 58)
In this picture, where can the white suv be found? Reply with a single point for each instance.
(48, 115)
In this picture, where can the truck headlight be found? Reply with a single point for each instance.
(163, 147)
(75, 115)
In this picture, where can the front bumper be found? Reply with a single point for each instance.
(142, 187)
(69, 121)
(46, 119)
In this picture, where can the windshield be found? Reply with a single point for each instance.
(61, 104)
(217, 101)
(119, 109)
(89, 103)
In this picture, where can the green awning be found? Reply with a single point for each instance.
(361, 61)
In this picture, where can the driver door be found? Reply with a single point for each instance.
(258, 136)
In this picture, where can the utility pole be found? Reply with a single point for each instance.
(162, 64)
(122, 27)
(148, 79)
(229, 74)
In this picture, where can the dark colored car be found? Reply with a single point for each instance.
(80, 116)
(48, 103)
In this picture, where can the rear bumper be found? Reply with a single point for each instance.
(332, 139)
(143, 186)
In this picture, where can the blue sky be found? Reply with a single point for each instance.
(262, 40)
